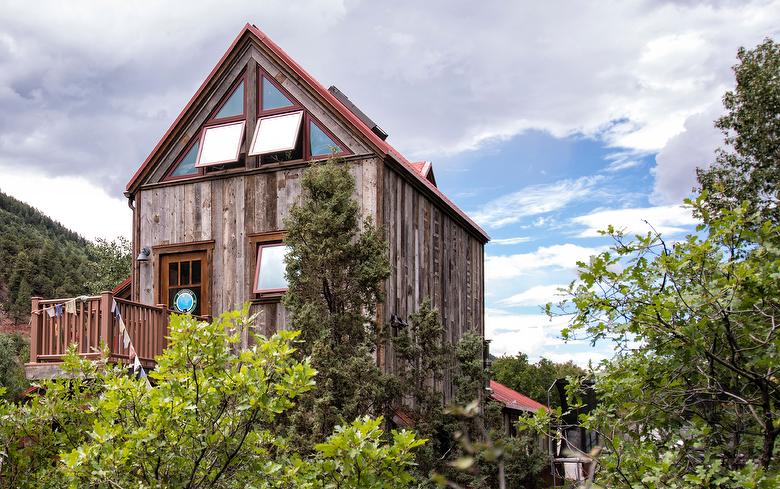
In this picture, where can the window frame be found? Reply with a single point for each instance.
(310, 119)
(212, 118)
(169, 176)
(257, 242)
(263, 74)
(275, 116)
(202, 139)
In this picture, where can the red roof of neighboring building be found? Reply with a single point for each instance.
(123, 285)
(513, 399)
(382, 146)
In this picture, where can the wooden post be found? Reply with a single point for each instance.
(163, 333)
(106, 318)
(36, 321)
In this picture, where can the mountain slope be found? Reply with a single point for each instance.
(38, 256)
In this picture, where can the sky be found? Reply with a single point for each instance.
(545, 121)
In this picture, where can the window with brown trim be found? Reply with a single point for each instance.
(184, 167)
(269, 278)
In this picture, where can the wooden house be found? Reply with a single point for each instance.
(210, 200)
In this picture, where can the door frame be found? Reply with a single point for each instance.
(205, 247)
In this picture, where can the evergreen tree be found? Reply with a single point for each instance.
(336, 265)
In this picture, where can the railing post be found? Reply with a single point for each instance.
(36, 321)
(163, 328)
(106, 318)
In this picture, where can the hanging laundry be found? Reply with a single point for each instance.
(70, 306)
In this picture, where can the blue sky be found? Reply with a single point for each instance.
(543, 199)
(544, 120)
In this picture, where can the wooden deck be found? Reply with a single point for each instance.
(91, 326)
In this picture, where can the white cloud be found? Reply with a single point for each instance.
(73, 201)
(676, 163)
(511, 241)
(581, 358)
(534, 200)
(537, 295)
(667, 220)
(548, 258)
(100, 84)
(623, 161)
(527, 333)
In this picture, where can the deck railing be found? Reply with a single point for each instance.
(93, 325)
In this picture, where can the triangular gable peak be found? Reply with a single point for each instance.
(239, 114)
(326, 118)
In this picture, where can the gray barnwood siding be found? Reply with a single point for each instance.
(434, 257)
(226, 211)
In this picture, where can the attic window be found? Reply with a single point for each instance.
(322, 143)
(271, 97)
(187, 164)
(269, 275)
(234, 105)
(221, 144)
(276, 133)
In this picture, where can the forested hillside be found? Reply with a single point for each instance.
(39, 256)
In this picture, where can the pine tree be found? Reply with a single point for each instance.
(335, 270)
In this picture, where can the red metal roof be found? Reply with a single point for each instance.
(122, 285)
(421, 167)
(513, 399)
(382, 146)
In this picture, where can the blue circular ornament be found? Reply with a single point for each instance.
(185, 301)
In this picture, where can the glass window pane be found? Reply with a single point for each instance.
(271, 272)
(173, 274)
(184, 273)
(234, 105)
(187, 165)
(221, 144)
(195, 271)
(319, 142)
(276, 133)
(273, 98)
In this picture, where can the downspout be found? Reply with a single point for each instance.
(133, 251)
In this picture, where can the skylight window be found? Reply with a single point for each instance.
(272, 97)
(276, 133)
(221, 144)
(187, 164)
(320, 143)
(234, 105)
(269, 276)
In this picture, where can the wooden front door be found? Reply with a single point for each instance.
(184, 282)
